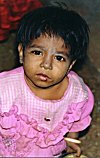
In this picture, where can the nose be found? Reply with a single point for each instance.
(47, 62)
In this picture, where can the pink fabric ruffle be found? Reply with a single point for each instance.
(19, 133)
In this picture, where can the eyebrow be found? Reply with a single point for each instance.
(36, 46)
(61, 53)
(58, 52)
(64, 53)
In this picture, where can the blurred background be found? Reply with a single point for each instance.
(11, 12)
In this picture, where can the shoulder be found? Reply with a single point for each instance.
(10, 87)
(80, 91)
(11, 77)
(11, 74)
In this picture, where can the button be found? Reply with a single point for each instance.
(47, 119)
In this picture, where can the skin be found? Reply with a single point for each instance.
(72, 147)
(46, 63)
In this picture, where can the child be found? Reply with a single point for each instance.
(43, 100)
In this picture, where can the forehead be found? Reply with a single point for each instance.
(47, 42)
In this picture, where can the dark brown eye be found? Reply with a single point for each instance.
(36, 52)
(59, 58)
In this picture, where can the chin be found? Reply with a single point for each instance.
(42, 85)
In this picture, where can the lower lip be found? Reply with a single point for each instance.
(43, 78)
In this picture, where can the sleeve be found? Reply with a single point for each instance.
(85, 118)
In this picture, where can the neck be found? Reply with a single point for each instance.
(55, 92)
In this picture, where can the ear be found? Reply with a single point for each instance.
(71, 65)
(20, 50)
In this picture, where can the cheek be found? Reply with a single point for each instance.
(63, 67)
(27, 65)
(60, 70)
(30, 62)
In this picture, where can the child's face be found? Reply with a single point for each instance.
(45, 61)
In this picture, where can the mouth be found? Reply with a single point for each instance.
(43, 77)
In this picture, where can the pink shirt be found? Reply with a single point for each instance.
(24, 132)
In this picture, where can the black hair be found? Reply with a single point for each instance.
(56, 21)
